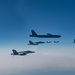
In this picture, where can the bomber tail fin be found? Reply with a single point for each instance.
(33, 32)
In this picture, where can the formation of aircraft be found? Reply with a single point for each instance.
(34, 34)
(22, 52)
(48, 35)
(35, 43)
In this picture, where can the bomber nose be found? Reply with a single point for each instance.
(60, 35)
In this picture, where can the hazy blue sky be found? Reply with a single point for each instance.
(18, 18)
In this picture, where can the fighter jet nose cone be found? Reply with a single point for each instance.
(33, 51)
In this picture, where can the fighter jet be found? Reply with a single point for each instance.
(21, 53)
(34, 34)
(35, 43)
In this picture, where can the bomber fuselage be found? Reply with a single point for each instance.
(46, 36)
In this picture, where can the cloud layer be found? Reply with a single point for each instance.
(38, 61)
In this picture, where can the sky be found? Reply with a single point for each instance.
(18, 18)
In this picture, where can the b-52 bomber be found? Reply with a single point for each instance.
(22, 52)
(48, 35)
(35, 43)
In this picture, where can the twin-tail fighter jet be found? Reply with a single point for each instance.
(48, 35)
(35, 43)
(22, 52)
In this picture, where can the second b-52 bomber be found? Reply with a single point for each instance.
(22, 52)
(34, 34)
(35, 43)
